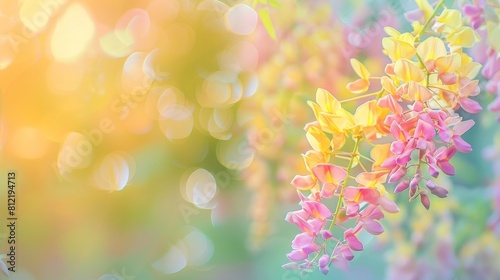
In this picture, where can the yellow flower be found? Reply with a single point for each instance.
(425, 7)
(407, 71)
(318, 139)
(493, 35)
(398, 45)
(371, 118)
(431, 48)
(361, 85)
(464, 37)
(448, 21)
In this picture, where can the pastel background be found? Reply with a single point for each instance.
(157, 139)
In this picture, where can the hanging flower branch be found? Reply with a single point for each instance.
(406, 133)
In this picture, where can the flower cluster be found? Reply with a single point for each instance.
(411, 128)
(484, 16)
(330, 237)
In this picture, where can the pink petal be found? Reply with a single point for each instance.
(353, 242)
(448, 78)
(316, 209)
(405, 157)
(399, 173)
(375, 213)
(425, 129)
(297, 255)
(397, 147)
(301, 240)
(326, 234)
(403, 185)
(424, 199)
(446, 167)
(433, 171)
(470, 105)
(352, 208)
(440, 192)
(431, 185)
(323, 264)
(365, 194)
(309, 248)
(388, 205)
(461, 145)
(462, 127)
(471, 10)
(373, 227)
(328, 190)
(340, 263)
(445, 135)
(329, 173)
(346, 252)
(303, 182)
(315, 225)
(389, 102)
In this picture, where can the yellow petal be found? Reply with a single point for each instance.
(418, 92)
(408, 71)
(449, 20)
(326, 101)
(470, 70)
(316, 109)
(358, 86)
(312, 158)
(379, 154)
(431, 48)
(396, 48)
(493, 38)
(388, 85)
(449, 63)
(360, 69)
(391, 31)
(318, 139)
(464, 37)
(425, 7)
(338, 140)
(365, 114)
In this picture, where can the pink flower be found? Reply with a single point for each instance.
(369, 219)
(316, 209)
(475, 13)
(352, 241)
(331, 176)
(341, 257)
(323, 264)
(458, 130)
(469, 88)
(303, 182)
(403, 185)
(440, 158)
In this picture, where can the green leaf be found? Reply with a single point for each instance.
(268, 24)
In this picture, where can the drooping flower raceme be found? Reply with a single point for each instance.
(484, 16)
(408, 131)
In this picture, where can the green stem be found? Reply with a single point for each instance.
(425, 69)
(430, 18)
(360, 97)
(344, 185)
